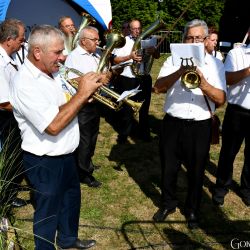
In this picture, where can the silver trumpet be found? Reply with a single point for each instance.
(104, 94)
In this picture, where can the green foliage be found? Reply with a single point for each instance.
(169, 10)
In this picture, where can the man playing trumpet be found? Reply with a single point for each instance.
(186, 127)
(50, 135)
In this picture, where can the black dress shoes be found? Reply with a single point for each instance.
(90, 181)
(80, 244)
(246, 201)
(162, 213)
(18, 202)
(192, 220)
(218, 201)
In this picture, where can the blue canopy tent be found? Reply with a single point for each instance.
(33, 12)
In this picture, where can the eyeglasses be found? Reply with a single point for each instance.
(69, 26)
(195, 38)
(93, 39)
(136, 28)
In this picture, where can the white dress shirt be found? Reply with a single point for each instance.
(124, 51)
(238, 59)
(81, 60)
(7, 72)
(186, 103)
(36, 99)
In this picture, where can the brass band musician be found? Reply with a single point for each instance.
(186, 127)
(127, 80)
(85, 59)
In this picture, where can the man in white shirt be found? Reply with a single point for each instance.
(50, 135)
(11, 39)
(211, 43)
(128, 80)
(235, 126)
(186, 128)
(85, 59)
(67, 26)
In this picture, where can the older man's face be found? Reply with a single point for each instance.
(195, 35)
(50, 57)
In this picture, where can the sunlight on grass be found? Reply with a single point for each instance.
(119, 214)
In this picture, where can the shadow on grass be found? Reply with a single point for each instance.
(212, 168)
(171, 235)
(141, 161)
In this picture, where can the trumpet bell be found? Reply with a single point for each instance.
(190, 79)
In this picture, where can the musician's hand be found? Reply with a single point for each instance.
(136, 56)
(105, 77)
(88, 84)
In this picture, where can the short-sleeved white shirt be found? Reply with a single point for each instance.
(36, 99)
(190, 104)
(81, 60)
(7, 72)
(238, 59)
(124, 51)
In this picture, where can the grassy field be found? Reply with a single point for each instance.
(119, 214)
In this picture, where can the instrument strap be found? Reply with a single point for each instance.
(208, 106)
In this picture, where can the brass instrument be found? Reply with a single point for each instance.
(71, 41)
(190, 78)
(102, 90)
(147, 60)
(114, 39)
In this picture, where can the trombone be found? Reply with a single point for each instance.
(98, 95)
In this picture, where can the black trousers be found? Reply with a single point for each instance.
(125, 115)
(89, 120)
(235, 129)
(187, 142)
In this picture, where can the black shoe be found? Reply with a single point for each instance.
(90, 181)
(218, 200)
(192, 220)
(122, 139)
(80, 244)
(246, 201)
(162, 213)
(18, 202)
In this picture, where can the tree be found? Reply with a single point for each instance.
(169, 10)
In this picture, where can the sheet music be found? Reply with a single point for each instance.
(149, 42)
(128, 93)
(187, 50)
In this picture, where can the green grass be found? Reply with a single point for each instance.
(118, 215)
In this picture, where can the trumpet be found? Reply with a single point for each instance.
(190, 78)
(102, 93)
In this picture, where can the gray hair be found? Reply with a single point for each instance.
(43, 35)
(195, 23)
(10, 29)
(83, 31)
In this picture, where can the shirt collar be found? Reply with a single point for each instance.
(132, 38)
(35, 71)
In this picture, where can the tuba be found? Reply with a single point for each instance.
(71, 41)
(147, 60)
(114, 39)
(190, 78)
